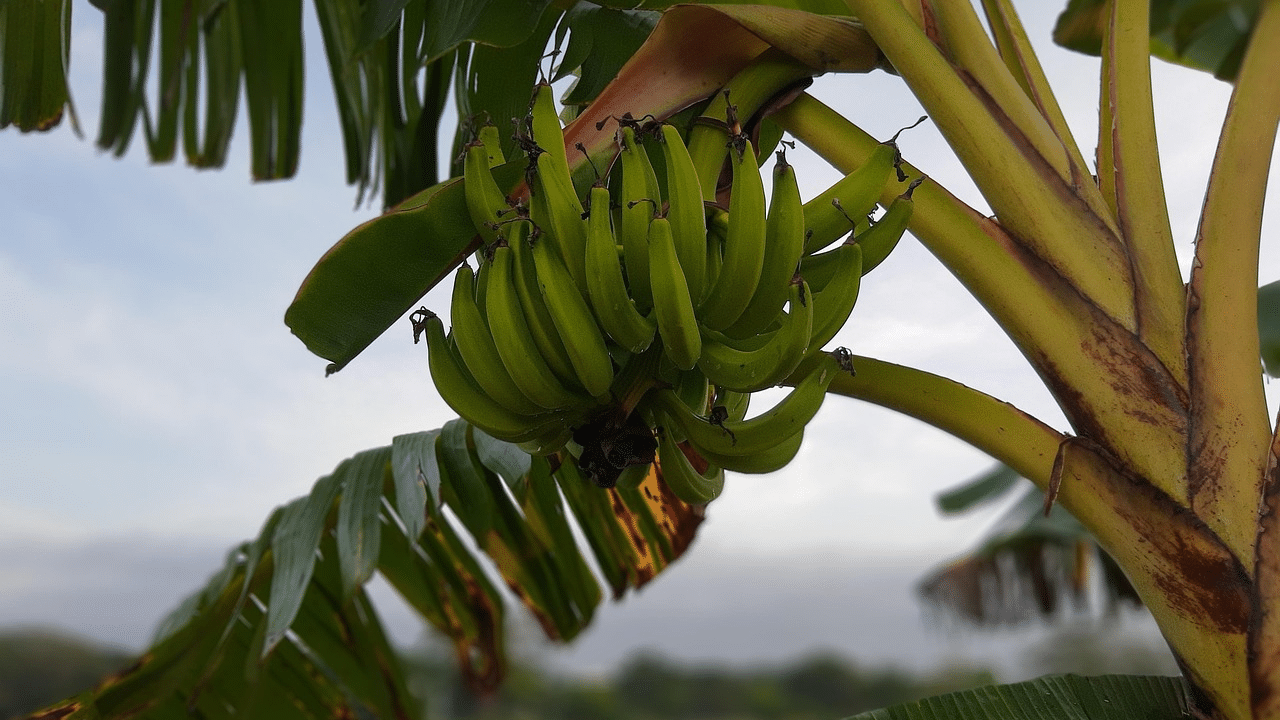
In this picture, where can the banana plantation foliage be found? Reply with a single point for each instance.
(622, 286)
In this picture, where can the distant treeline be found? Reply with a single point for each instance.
(649, 687)
(41, 666)
(38, 667)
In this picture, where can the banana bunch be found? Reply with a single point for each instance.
(640, 323)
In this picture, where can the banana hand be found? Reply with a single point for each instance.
(605, 285)
(574, 322)
(784, 243)
(748, 437)
(685, 212)
(857, 194)
(744, 245)
(475, 346)
(769, 362)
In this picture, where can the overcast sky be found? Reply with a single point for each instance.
(154, 407)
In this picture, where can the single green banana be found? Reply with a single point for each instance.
(476, 347)
(679, 474)
(833, 304)
(515, 343)
(633, 476)
(739, 438)
(574, 321)
(481, 282)
(640, 198)
(460, 391)
(694, 390)
(536, 313)
(717, 225)
(880, 240)
(555, 208)
(771, 362)
(492, 141)
(685, 213)
(744, 245)
(672, 304)
(606, 287)
(544, 123)
(550, 442)
(784, 243)
(856, 192)
(486, 203)
(735, 403)
(763, 461)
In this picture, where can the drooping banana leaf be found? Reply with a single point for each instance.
(35, 39)
(1028, 565)
(1269, 326)
(286, 629)
(1056, 697)
(1209, 36)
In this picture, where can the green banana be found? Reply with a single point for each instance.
(544, 123)
(784, 243)
(856, 192)
(744, 245)
(833, 304)
(492, 141)
(551, 441)
(486, 203)
(555, 208)
(481, 282)
(460, 391)
(880, 240)
(740, 438)
(685, 213)
(734, 403)
(632, 476)
(515, 343)
(672, 304)
(476, 347)
(717, 226)
(769, 363)
(694, 390)
(542, 327)
(763, 461)
(679, 474)
(574, 322)
(640, 198)
(605, 285)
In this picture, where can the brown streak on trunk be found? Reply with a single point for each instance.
(1264, 623)
(1182, 559)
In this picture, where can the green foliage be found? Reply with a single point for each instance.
(1207, 36)
(444, 516)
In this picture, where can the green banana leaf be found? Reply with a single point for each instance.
(1208, 35)
(984, 488)
(1028, 566)
(1054, 697)
(1269, 327)
(392, 63)
(285, 629)
(35, 38)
